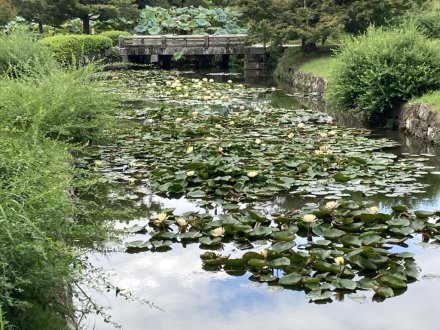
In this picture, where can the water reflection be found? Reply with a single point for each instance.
(192, 298)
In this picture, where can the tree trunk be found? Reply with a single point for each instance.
(86, 24)
(40, 27)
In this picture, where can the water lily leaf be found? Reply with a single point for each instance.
(257, 263)
(196, 194)
(344, 284)
(318, 295)
(261, 231)
(290, 279)
(383, 291)
(351, 240)
(333, 233)
(339, 177)
(400, 208)
(161, 244)
(190, 235)
(392, 281)
(139, 244)
(281, 247)
(208, 241)
(280, 262)
(423, 214)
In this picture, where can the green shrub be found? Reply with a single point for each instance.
(114, 35)
(377, 71)
(19, 52)
(65, 105)
(34, 220)
(71, 48)
(427, 21)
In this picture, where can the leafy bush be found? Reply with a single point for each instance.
(69, 48)
(64, 105)
(114, 35)
(189, 20)
(427, 21)
(20, 52)
(377, 71)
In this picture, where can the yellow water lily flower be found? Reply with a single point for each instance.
(264, 253)
(131, 181)
(205, 79)
(190, 173)
(300, 125)
(257, 141)
(161, 217)
(252, 174)
(179, 119)
(331, 133)
(373, 209)
(98, 163)
(220, 149)
(181, 222)
(325, 150)
(309, 218)
(217, 232)
(323, 135)
(218, 126)
(189, 150)
(211, 80)
(291, 135)
(339, 261)
(331, 205)
(132, 164)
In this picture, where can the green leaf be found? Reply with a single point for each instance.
(290, 279)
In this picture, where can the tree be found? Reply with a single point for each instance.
(7, 12)
(42, 11)
(312, 21)
(101, 9)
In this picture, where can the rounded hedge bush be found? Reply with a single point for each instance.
(379, 70)
(114, 35)
(68, 48)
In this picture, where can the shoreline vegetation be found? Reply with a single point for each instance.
(48, 113)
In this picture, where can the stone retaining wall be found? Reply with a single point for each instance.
(420, 120)
(304, 82)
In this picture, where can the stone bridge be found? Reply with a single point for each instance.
(163, 47)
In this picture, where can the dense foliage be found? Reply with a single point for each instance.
(7, 11)
(312, 21)
(68, 48)
(41, 221)
(426, 20)
(189, 20)
(377, 71)
(19, 52)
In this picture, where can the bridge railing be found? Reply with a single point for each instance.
(166, 41)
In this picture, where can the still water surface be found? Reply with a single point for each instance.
(189, 297)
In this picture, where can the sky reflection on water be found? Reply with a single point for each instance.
(192, 298)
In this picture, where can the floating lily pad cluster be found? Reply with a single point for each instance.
(224, 145)
(339, 247)
(205, 139)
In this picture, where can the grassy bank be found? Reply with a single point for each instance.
(432, 98)
(319, 62)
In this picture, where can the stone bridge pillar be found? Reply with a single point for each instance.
(256, 66)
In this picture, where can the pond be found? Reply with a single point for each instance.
(256, 212)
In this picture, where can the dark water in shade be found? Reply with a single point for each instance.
(192, 298)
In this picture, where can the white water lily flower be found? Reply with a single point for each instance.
(190, 173)
(229, 81)
(161, 217)
(374, 210)
(331, 205)
(257, 141)
(291, 135)
(339, 261)
(218, 126)
(205, 79)
(331, 133)
(181, 222)
(309, 218)
(220, 149)
(217, 232)
(211, 80)
(98, 163)
(273, 89)
(131, 181)
(252, 174)
(323, 135)
(132, 164)
(189, 150)
(300, 125)
(179, 119)
(325, 150)
(318, 152)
